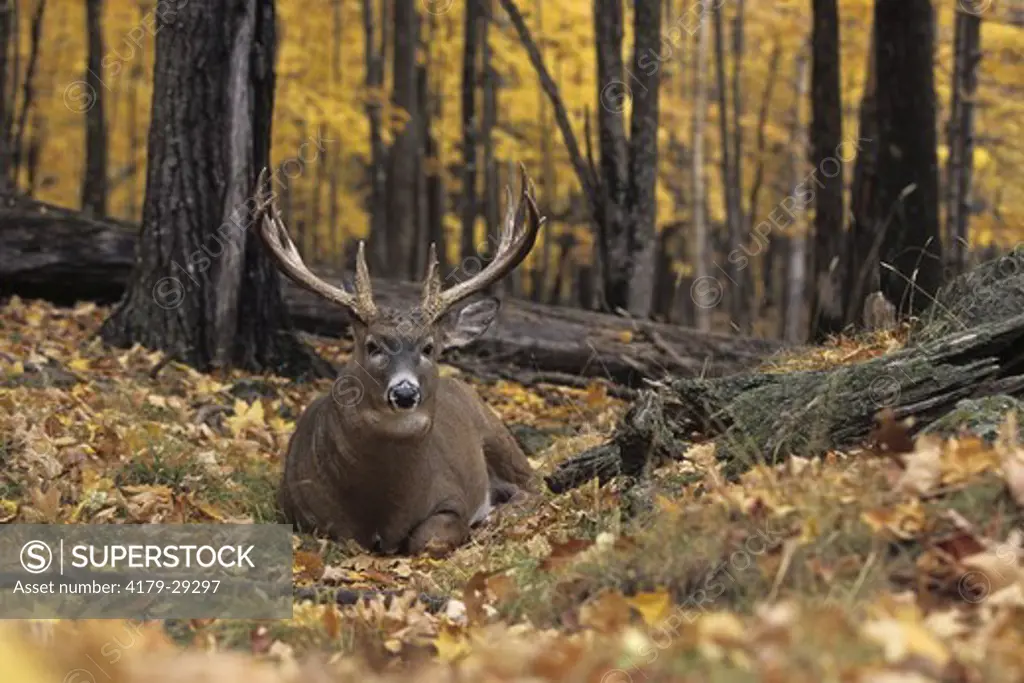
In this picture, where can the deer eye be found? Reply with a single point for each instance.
(373, 348)
(428, 349)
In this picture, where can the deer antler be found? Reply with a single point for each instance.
(517, 238)
(282, 249)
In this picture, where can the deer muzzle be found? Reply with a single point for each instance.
(404, 393)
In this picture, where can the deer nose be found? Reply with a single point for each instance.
(404, 395)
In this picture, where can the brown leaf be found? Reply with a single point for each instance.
(960, 545)
(331, 621)
(309, 566)
(474, 595)
(889, 435)
(561, 553)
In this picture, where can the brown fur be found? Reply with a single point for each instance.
(351, 473)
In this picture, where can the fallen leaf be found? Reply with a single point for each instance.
(451, 643)
(653, 607)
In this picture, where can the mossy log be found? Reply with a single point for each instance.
(768, 417)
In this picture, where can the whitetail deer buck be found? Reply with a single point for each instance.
(405, 460)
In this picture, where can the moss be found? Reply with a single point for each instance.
(982, 417)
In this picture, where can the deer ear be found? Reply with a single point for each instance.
(470, 322)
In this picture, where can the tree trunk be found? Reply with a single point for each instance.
(643, 159)
(203, 289)
(94, 181)
(701, 257)
(27, 90)
(967, 55)
(492, 215)
(378, 175)
(826, 309)
(612, 93)
(737, 240)
(796, 274)
(742, 302)
(772, 251)
(436, 201)
(8, 38)
(470, 55)
(401, 181)
(864, 236)
(907, 164)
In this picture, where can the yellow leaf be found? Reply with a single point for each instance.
(245, 416)
(653, 607)
(79, 364)
(451, 644)
(8, 510)
(902, 638)
(17, 369)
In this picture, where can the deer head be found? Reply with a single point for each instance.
(395, 358)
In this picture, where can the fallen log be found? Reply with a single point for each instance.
(765, 418)
(55, 254)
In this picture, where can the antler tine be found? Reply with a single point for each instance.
(284, 253)
(432, 282)
(364, 291)
(518, 235)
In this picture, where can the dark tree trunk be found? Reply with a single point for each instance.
(827, 152)
(736, 238)
(612, 93)
(17, 133)
(643, 159)
(8, 38)
(203, 289)
(628, 168)
(375, 83)
(907, 165)
(401, 181)
(864, 236)
(491, 200)
(470, 55)
(94, 182)
(966, 56)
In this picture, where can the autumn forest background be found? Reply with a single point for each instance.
(766, 356)
(330, 86)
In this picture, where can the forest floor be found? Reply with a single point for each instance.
(857, 567)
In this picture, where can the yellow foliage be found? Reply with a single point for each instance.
(320, 87)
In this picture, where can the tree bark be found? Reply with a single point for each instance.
(960, 166)
(737, 240)
(612, 93)
(94, 182)
(796, 274)
(700, 226)
(826, 309)
(470, 56)
(203, 288)
(378, 175)
(907, 163)
(864, 235)
(401, 180)
(642, 204)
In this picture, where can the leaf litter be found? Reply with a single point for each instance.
(902, 561)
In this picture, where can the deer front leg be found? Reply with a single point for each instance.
(439, 534)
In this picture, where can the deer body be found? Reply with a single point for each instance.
(345, 479)
(398, 458)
